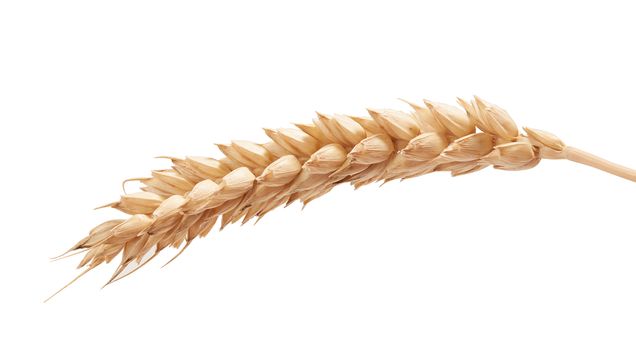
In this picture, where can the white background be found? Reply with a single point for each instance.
(90, 92)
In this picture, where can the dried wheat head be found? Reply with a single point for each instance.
(177, 205)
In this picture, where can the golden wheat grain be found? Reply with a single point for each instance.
(179, 204)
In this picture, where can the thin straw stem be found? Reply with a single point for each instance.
(579, 156)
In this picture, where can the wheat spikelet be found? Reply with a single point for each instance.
(179, 204)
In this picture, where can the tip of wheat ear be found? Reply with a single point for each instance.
(301, 164)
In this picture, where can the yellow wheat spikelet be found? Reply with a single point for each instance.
(301, 164)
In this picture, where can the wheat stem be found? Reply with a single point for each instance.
(582, 157)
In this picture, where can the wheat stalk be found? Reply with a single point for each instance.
(302, 164)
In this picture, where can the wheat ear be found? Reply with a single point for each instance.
(302, 164)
